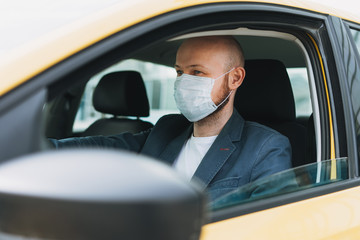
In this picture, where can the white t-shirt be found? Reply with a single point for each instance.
(191, 155)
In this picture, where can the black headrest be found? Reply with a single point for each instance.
(266, 94)
(121, 94)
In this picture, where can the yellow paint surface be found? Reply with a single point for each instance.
(31, 59)
(333, 216)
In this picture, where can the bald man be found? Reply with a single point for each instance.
(209, 141)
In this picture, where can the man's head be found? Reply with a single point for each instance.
(211, 57)
(224, 51)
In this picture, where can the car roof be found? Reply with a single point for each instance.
(72, 33)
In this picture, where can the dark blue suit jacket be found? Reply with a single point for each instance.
(243, 151)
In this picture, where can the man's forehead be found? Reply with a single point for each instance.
(199, 55)
(198, 47)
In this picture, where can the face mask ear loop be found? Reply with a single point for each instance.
(224, 74)
(225, 99)
(229, 92)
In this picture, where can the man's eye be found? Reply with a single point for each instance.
(196, 72)
(179, 72)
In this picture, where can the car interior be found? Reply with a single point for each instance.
(120, 94)
(277, 88)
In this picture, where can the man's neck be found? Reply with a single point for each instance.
(214, 123)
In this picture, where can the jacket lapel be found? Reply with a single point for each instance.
(221, 150)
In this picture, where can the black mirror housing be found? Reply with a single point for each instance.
(97, 194)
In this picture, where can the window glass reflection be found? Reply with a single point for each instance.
(296, 179)
(354, 86)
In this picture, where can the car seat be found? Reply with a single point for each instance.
(266, 97)
(123, 95)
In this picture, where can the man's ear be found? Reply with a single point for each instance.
(237, 78)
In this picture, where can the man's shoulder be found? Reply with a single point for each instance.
(255, 126)
(241, 127)
(261, 131)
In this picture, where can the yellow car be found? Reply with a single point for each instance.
(305, 63)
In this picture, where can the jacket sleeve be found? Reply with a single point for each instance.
(126, 141)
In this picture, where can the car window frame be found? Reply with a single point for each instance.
(343, 48)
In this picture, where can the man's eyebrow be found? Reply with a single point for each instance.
(191, 66)
(198, 66)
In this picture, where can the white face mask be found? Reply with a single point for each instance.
(193, 96)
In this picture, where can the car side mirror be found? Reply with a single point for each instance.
(96, 194)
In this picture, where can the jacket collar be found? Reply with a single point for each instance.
(236, 121)
(218, 154)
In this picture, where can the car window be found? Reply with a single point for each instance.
(356, 36)
(159, 84)
(300, 85)
(292, 180)
(355, 89)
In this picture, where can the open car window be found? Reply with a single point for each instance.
(159, 75)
